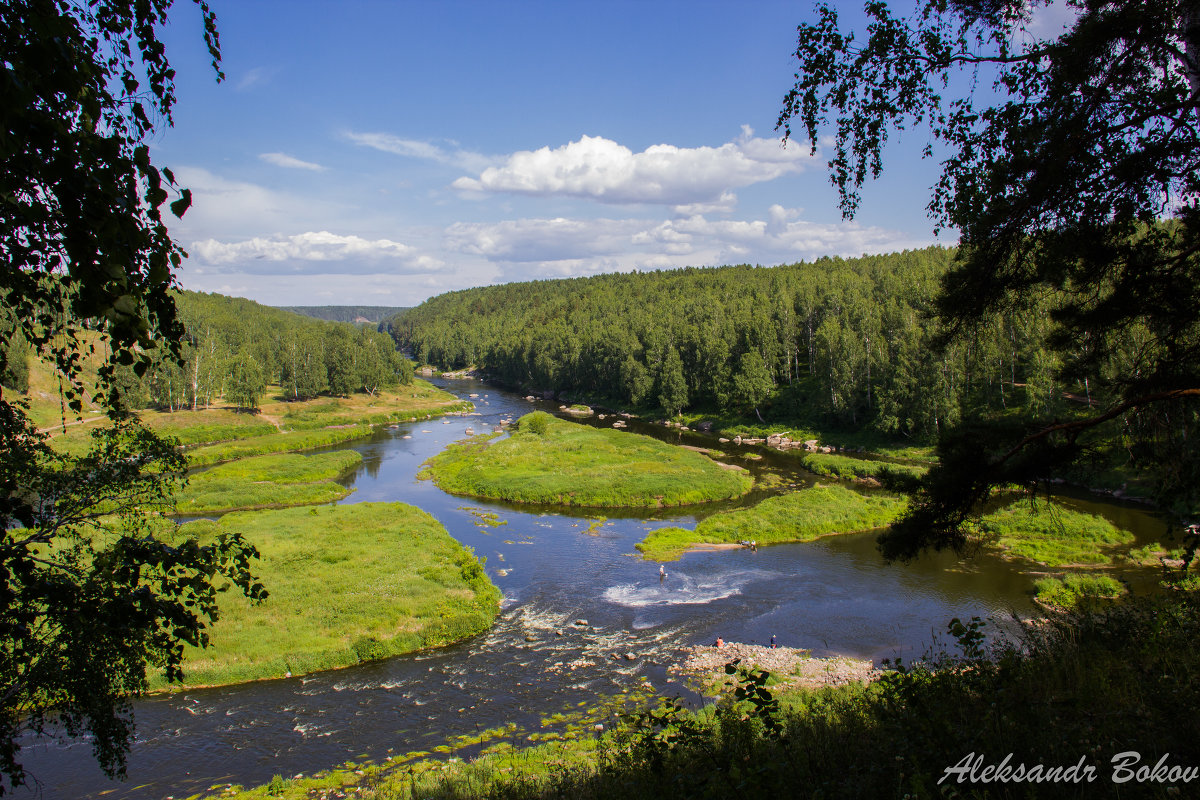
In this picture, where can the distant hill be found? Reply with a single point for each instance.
(372, 314)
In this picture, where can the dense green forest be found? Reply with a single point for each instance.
(234, 347)
(841, 342)
(372, 314)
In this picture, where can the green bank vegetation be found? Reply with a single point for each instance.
(1049, 533)
(794, 517)
(347, 584)
(273, 481)
(894, 476)
(1070, 591)
(555, 462)
(1079, 686)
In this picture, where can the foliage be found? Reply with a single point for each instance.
(86, 268)
(95, 587)
(246, 382)
(843, 343)
(1074, 590)
(568, 463)
(82, 231)
(1075, 181)
(793, 517)
(349, 583)
(355, 314)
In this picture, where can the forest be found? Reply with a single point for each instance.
(842, 343)
(371, 314)
(233, 348)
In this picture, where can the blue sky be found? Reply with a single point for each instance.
(381, 153)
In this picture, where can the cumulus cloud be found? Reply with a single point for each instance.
(530, 248)
(297, 253)
(414, 148)
(289, 162)
(694, 179)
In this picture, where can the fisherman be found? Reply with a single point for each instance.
(662, 572)
(772, 641)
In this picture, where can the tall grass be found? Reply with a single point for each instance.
(276, 443)
(273, 481)
(552, 461)
(901, 477)
(1051, 534)
(347, 584)
(794, 517)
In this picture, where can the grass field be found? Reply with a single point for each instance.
(273, 481)
(347, 584)
(894, 476)
(1051, 534)
(794, 517)
(1070, 591)
(274, 443)
(552, 461)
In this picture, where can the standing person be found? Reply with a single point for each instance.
(772, 641)
(720, 642)
(662, 572)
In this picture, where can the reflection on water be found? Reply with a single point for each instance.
(582, 617)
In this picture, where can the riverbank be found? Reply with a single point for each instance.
(554, 462)
(346, 584)
(798, 516)
(790, 668)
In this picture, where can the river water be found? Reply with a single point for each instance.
(833, 596)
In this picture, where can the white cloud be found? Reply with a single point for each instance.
(231, 209)
(694, 179)
(256, 77)
(415, 148)
(531, 248)
(284, 160)
(296, 254)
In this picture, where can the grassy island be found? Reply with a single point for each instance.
(794, 517)
(347, 584)
(274, 481)
(555, 462)
(1051, 534)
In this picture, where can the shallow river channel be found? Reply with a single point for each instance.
(834, 596)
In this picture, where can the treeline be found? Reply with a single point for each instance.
(839, 341)
(235, 347)
(371, 314)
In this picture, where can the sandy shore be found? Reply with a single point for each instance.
(793, 667)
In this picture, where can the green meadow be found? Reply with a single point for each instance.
(1072, 591)
(274, 443)
(1051, 534)
(831, 465)
(273, 481)
(555, 462)
(347, 584)
(794, 517)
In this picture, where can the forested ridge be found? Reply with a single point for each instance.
(373, 314)
(842, 342)
(233, 347)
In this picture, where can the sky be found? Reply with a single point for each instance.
(380, 153)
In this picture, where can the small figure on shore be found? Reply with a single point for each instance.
(772, 641)
(720, 642)
(754, 545)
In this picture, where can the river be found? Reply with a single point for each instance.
(834, 596)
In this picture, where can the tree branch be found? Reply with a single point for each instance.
(1080, 425)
